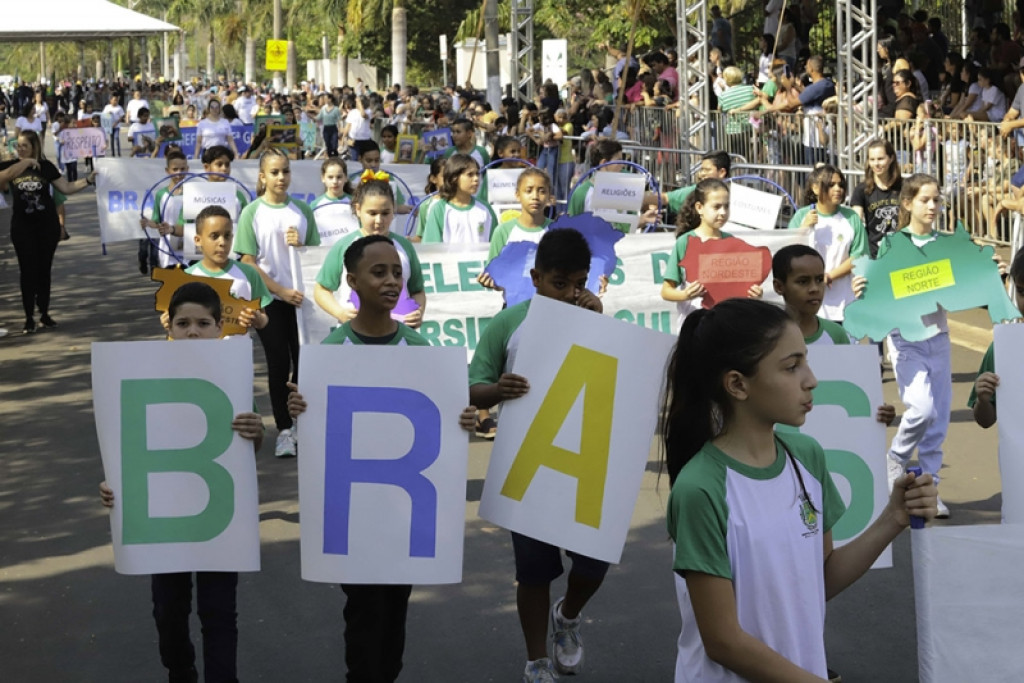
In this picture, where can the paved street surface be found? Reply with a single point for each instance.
(67, 616)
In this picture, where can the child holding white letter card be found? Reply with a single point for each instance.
(382, 478)
(182, 486)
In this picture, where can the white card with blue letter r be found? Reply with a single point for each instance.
(382, 463)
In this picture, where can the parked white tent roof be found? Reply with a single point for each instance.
(56, 20)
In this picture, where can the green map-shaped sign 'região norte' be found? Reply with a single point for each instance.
(908, 282)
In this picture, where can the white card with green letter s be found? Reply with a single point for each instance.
(184, 482)
(570, 455)
(843, 421)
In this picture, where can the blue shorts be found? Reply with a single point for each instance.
(540, 563)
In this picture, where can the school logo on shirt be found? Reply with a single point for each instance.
(480, 229)
(808, 516)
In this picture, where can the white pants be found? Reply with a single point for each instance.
(925, 381)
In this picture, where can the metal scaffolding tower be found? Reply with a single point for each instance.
(694, 83)
(521, 49)
(856, 80)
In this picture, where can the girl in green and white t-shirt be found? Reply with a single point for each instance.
(458, 217)
(751, 511)
(268, 229)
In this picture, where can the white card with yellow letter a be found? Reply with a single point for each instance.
(570, 454)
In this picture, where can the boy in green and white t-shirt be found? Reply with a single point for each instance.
(214, 236)
(560, 272)
(464, 142)
(798, 276)
(166, 224)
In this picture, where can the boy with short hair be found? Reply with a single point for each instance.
(195, 313)
(560, 272)
(217, 162)
(214, 236)
(715, 164)
(798, 276)
(375, 615)
(464, 142)
(166, 225)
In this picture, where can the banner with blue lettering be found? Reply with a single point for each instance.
(184, 482)
(570, 455)
(122, 186)
(382, 470)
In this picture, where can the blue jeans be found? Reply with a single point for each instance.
(548, 160)
(331, 140)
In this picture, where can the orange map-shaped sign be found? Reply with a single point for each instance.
(727, 267)
(230, 307)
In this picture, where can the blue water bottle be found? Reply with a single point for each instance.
(915, 521)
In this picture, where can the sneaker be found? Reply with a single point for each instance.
(566, 641)
(486, 428)
(46, 321)
(833, 677)
(286, 446)
(30, 326)
(895, 469)
(943, 512)
(539, 671)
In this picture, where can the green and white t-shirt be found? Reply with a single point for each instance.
(499, 342)
(334, 218)
(168, 208)
(459, 224)
(332, 273)
(478, 153)
(423, 210)
(754, 527)
(829, 334)
(837, 237)
(405, 336)
(513, 231)
(677, 274)
(246, 282)
(261, 233)
(988, 364)
(676, 198)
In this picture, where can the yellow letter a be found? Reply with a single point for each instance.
(583, 370)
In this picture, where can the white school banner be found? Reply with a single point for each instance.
(459, 308)
(1009, 339)
(382, 475)
(125, 186)
(79, 143)
(843, 421)
(184, 482)
(196, 196)
(570, 455)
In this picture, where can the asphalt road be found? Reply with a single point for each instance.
(65, 615)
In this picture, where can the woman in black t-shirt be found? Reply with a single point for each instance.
(876, 200)
(35, 228)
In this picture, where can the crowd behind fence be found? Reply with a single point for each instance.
(974, 163)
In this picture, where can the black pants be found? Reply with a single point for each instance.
(374, 631)
(215, 605)
(35, 246)
(149, 253)
(331, 140)
(280, 339)
(72, 168)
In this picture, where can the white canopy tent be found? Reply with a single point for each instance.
(78, 20)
